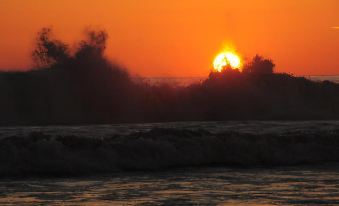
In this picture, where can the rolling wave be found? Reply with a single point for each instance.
(161, 148)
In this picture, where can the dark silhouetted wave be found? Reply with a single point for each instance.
(82, 87)
(47, 155)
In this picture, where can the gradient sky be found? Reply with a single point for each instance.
(181, 37)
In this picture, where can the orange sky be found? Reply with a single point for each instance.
(181, 37)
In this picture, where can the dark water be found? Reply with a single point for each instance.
(311, 185)
(253, 127)
(184, 81)
(332, 78)
(212, 186)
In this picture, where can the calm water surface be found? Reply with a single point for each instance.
(212, 186)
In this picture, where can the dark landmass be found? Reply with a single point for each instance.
(38, 154)
(80, 86)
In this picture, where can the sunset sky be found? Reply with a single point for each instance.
(181, 37)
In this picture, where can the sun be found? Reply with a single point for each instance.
(226, 59)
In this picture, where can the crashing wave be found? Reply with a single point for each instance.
(44, 154)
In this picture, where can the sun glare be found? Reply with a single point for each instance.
(226, 59)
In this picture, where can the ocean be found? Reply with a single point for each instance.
(191, 186)
(184, 81)
(84, 180)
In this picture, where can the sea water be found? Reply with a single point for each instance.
(190, 186)
(185, 81)
(301, 185)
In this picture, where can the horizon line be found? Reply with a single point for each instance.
(176, 77)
